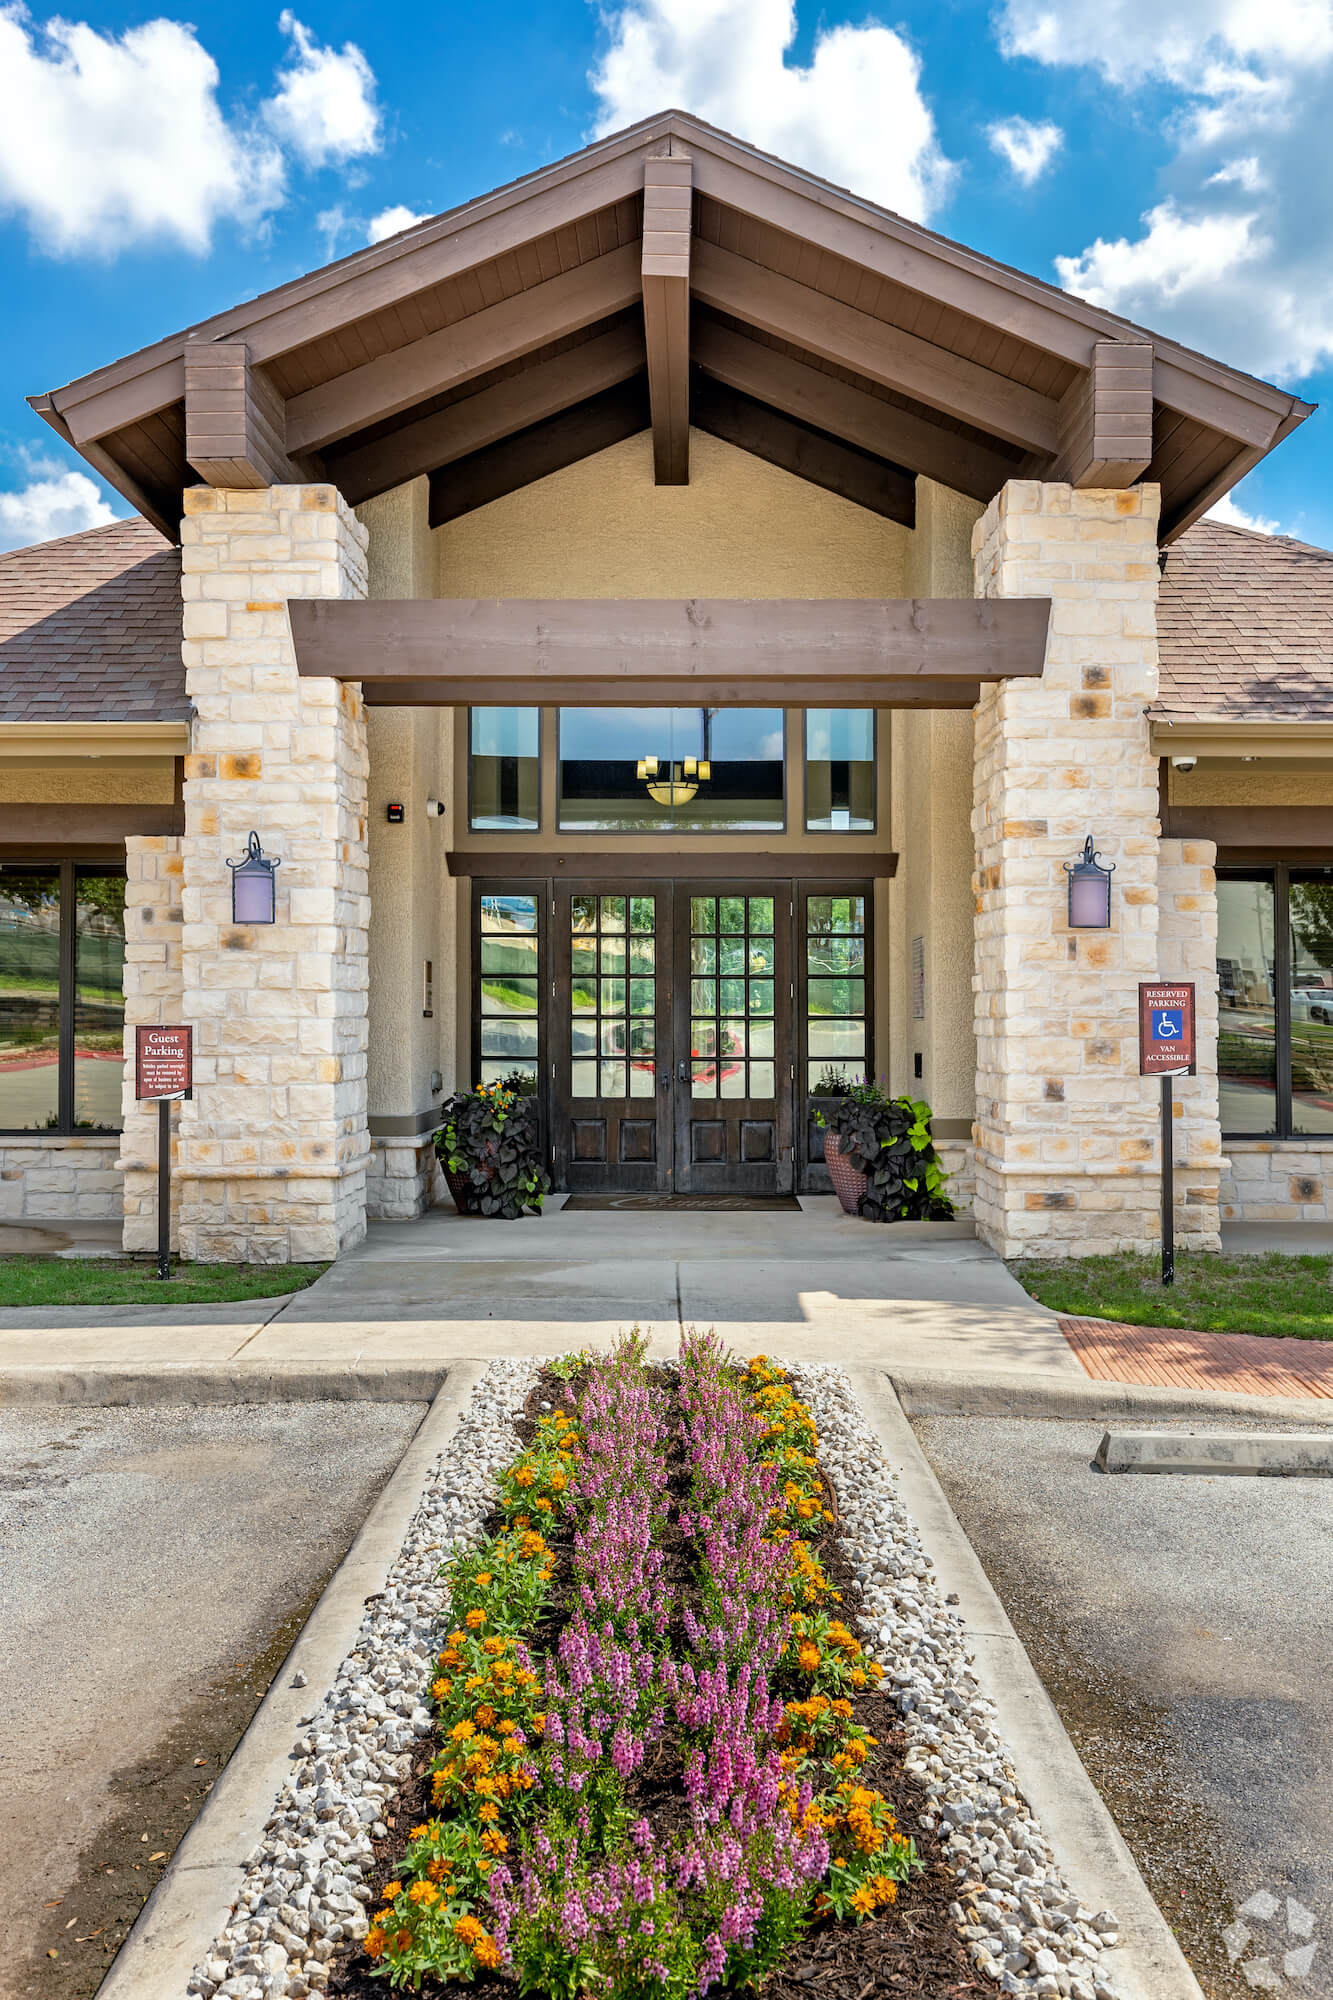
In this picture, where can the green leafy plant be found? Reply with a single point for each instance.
(490, 1147)
(888, 1139)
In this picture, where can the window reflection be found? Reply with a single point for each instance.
(505, 774)
(840, 770)
(1247, 1012)
(647, 770)
(1311, 914)
(509, 984)
(30, 1000)
(99, 998)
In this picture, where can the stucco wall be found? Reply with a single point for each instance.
(1271, 781)
(741, 528)
(92, 781)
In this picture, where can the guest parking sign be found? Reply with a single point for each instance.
(1166, 1029)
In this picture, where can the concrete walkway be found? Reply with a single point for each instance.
(809, 1283)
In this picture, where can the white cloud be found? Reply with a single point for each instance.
(107, 140)
(55, 503)
(1233, 516)
(1029, 146)
(390, 220)
(324, 108)
(1237, 256)
(855, 114)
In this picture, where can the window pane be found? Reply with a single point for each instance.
(505, 769)
(761, 1079)
(840, 770)
(837, 1032)
(516, 956)
(1247, 1020)
(835, 996)
(496, 1072)
(29, 999)
(508, 1036)
(99, 998)
(671, 769)
(1312, 1004)
(836, 916)
(508, 996)
(508, 913)
(837, 954)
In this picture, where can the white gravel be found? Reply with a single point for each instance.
(1024, 1928)
(306, 1887)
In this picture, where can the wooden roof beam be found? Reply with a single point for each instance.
(533, 454)
(1106, 418)
(235, 420)
(483, 341)
(807, 393)
(810, 454)
(871, 347)
(667, 219)
(361, 471)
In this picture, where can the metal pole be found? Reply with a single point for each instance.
(1168, 1190)
(164, 1187)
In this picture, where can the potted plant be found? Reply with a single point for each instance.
(881, 1157)
(833, 1082)
(489, 1148)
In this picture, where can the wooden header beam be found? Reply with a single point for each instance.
(612, 652)
(667, 221)
(807, 453)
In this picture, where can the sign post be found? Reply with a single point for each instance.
(163, 1070)
(1166, 1050)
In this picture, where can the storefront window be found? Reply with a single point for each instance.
(1310, 909)
(658, 770)
(509, 975)
(62, 1006)
(505, 770)
(1275, 1002)
(840, 770)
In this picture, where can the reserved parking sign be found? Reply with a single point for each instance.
(1166, 1029)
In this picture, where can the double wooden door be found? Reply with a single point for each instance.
(672, 1045)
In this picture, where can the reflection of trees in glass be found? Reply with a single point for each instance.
(1312, 920)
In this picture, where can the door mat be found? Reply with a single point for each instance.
(707, 1203)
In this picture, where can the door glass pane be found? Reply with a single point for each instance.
(501, 995)
(731, 994)
(1311, 900)
(632, 770)
(703, 955)
(732, 1016)
(612, 1014)
(29, 998)
(761, 996)
(731, 955)
(837, 1031)
(761, 915)
(504, 769)
(1247, 1016)
(513, 954)
(761, 1079)
(703, 1079)
(731, 915)
(840, 770)
(505, 1036)
(703, 915)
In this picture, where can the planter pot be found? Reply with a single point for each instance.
(849, 1183)
(462, 1190)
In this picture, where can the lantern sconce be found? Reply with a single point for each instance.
(1089, 891)
(253, 890)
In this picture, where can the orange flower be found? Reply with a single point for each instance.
(392, 1889)
(808, 1655)
(375, 1941)
(487, 1953)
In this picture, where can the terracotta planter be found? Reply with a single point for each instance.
(849, 1184)
(462, 1190)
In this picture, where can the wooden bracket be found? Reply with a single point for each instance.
(235, 420)
(1106, 418)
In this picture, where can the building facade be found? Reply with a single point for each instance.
(674, 625)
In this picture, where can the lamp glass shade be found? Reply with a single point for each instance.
(252, 893)
(1089, 900)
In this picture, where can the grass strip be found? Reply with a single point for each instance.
(1272, 1294)
(131, 1281)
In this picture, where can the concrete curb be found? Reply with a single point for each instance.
(927, 1392)
(108, 1386)
(194, 1899)
(1148, 1964)
(1215, 1454)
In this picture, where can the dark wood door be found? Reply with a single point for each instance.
(611, 1038)
(733, 1039)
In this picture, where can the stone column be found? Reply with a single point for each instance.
(1066, 1130)
(153, 995)
(1187, 949)
(274, 1146)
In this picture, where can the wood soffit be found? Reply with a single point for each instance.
(664, 250)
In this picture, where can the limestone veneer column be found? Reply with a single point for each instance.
(1066, 1130)
(1187, 949)
(153, 995)
(273, 1147)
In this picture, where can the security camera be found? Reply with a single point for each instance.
(1183, 763)
(434, 809)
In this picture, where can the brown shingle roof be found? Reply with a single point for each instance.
(1245, 627)
(90, 629)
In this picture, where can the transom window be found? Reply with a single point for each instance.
(62, 999)
(643, 770)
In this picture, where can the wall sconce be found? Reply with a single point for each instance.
(1089, 891)
(253, 891)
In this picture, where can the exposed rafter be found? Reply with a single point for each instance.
(1106, 418)
(667, 203)
(235, 420)
(548, 447)
(476, 422)
(900, 436)
(810, 454)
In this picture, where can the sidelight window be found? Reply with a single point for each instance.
(510, 973)
(837, 1042)
(62, 1002)
(1275, 1002)
(840, 770)
(505, 770)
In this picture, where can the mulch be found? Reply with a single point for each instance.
(1168, 1357)
(912, 1951)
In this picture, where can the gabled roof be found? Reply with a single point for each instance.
(669, 272)
(1245, 628)
(90, 629)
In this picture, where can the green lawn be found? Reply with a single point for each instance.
(126, 1281)
(1273, 1294)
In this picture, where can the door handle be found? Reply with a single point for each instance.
(683, 1070)
(664, 1080)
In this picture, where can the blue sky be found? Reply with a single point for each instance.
(1168, 158)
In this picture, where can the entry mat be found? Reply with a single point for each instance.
(710, 1203)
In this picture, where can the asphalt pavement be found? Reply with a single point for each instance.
(155, 1566)
(1181, 1624)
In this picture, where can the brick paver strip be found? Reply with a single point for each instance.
(1168, 1357)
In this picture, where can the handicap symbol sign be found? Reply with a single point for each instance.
(1168, 1024)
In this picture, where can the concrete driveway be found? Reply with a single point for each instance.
(155, 1566)
(1181, 1626)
